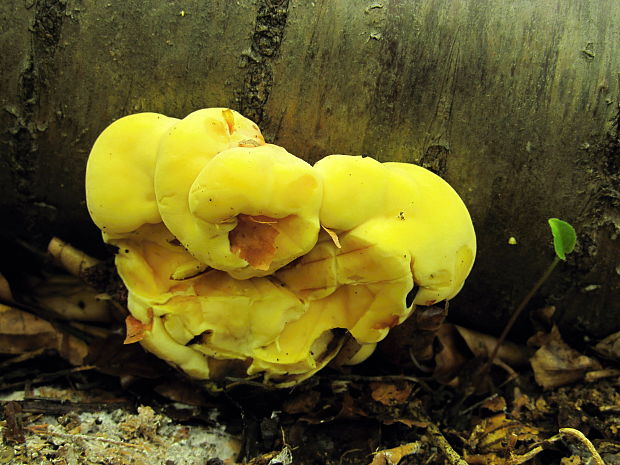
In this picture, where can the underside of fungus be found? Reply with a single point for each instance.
(241, 259)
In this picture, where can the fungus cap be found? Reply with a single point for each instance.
(235, 203)
(421, 216)
(119, 173)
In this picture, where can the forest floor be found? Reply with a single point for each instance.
(73, 393)
(56, 414)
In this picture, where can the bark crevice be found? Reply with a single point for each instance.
(266, 41)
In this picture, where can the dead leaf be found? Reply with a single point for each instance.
(22, 332)
(181, 392)
(303, 403)
(333, 236)
(413, 339)
(389, 394)
(493, 434)
(610, 346)
(136, 329)
(495, 404)
(112, 357)
(5, 289)
(556, 364)
(13, 430)
(253, 240)
(395, 455)
(407, 422)
(482, 345)
(451, 357)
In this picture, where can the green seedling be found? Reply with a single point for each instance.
(564, 239)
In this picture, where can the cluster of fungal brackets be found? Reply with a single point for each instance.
(242, 260)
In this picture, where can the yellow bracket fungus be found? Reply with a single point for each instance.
(241, 259)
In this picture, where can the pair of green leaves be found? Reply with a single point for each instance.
(564, 237)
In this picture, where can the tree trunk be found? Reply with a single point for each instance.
(514, 103)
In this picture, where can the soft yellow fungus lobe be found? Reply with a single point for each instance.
(419, 217)
(119, 173)
(270, 186)
(213, 166)
(242, 259)
(404, 226)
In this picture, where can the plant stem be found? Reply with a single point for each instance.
(520, 309)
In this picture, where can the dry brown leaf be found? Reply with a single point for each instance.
(482, 345)
(14, 322)
(5, 289)
(13, 432)
(492, 434)
(413, 339)
(495, 404)
(21, 332)
(390, 394)
(407, 422)
(610, 346)
(395, 455)
(303, 403)
(136, 329)
(253, 240)
(450, 359)
(556, 364)
(333, 236)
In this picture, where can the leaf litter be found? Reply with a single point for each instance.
(73, 393)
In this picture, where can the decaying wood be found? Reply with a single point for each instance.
(516, 107)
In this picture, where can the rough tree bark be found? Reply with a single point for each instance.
(514, 103)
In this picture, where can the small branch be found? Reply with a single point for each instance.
(585, 441)
(61, 407)
(22, 358)
(71, 259)
(47, 377)
(438, 439)
(592, 376)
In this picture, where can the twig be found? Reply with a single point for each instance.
(585, 441)
(529, 455)
(438, 439)
(601, 374)
(22, 357)
(71, 259)
(350, 451)
(519, 459)
(477, 404)
(37, 430)
(61, 407)
(47, 377)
